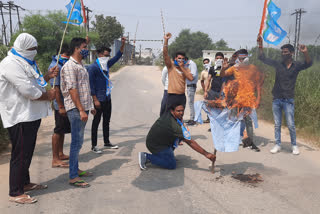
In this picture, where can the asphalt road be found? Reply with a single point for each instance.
(290, 183)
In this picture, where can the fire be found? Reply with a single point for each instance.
(241, 92)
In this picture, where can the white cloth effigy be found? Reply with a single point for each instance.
(225, 126)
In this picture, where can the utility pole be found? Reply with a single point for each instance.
(4, 32)
(19, 21)
(298, 13)
(10, 3)
(88, 21)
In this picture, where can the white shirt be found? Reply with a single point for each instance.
(194, 71)
(18, 93)
(164, 78)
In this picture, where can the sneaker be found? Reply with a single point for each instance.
(110, 146)
(295, 150)
(96, 150)
(275, 149)
(142, 160)
(191, 123)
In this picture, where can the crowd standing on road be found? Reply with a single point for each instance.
(24, 100)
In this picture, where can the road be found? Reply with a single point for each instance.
(290, 183)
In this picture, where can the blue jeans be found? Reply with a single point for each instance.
(164, 158)
(77, 133)
(287, 105)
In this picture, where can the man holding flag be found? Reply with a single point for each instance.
(287, 72)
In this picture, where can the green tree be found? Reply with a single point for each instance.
(222, 45)
(191, 43)
(108, 29)
(48, 30)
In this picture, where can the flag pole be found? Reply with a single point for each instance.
(263, 17)
(64, 33)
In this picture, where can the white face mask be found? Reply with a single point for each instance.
(104, 62)
(218, 64)
(29, 54)
(206, 67)
(244, 62)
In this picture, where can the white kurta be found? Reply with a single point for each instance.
(18, 93)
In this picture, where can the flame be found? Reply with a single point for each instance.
(240, 92)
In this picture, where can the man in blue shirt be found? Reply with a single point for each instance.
(101, 93)
(62, 124)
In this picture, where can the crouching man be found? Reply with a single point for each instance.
(164, 136)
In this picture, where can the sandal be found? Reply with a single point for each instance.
(35, 187)
(80, 183)
(85, 174)
(23, 199)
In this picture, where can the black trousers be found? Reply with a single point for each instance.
(105, 111)
(23, 137)
(164, 102)
(176, 99)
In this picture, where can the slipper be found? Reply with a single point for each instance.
(35, 187)
(23, 199)
(61, 165)
(78, 184)
(85, 174)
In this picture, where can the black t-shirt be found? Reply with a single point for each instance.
(216, 81)
(163, 133)
(285, 82)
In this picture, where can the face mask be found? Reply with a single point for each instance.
(206, 66)
(29, 54)
(286, 57)
(176, 63)
(218, 64)
(84, 53)
(244, 62)
(104, 62)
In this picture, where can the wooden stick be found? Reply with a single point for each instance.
(163, 26)
(64, 33)
(263, 16)
(213, 162)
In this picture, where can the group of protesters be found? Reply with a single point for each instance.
(169, 130)
(75, 90)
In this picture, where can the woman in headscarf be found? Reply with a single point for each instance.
(23, 102)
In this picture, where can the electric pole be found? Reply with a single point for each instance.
(88, 21)
(298, 13)
(4, 32)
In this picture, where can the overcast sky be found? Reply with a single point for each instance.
(235, 21)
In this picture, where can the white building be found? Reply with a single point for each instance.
(210, 54)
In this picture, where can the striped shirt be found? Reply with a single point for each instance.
(75, 76)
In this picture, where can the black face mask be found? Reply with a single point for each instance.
(286, 57)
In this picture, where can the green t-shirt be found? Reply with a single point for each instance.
(163, 133)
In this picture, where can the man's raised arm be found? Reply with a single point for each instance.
(166, 56)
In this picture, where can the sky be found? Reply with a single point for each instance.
(237, 22)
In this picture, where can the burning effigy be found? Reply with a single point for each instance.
(239, 99)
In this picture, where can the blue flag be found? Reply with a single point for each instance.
(273, 33)
(76, 16)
